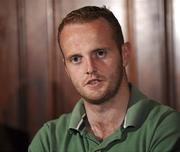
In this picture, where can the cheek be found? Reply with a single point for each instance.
(114, 68)
(74, 73)
(112, 64)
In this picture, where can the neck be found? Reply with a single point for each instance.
(107, 117)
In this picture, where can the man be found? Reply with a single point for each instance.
(112, 115)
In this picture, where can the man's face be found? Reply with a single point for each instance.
(93, 60)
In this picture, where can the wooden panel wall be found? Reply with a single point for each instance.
(9, 64)
(37, 49)
(149, 40)
(33, 84)
(175, 51)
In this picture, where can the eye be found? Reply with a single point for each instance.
(101, 53)
(75, 59)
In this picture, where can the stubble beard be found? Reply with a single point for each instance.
(111, 91)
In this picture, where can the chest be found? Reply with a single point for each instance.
(117, 142)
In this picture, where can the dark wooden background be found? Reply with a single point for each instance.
(33, 85)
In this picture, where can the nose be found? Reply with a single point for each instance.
(91, 67)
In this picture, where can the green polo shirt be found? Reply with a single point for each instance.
(148, 127)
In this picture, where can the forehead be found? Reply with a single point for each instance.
(79, 36)
(99, 25)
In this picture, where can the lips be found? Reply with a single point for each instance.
(93, 81)
(94, 84)
(96, 81)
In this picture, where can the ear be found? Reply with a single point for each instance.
(126, 52)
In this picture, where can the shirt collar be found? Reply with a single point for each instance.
(138, 108)
(137, 111)
(77, 116)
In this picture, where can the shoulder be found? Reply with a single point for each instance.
(62, 123)
(162, 113)
(158, 114)
(50, 134)
(164, 123)
(59, 125)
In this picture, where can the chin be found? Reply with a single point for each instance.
(96, 101)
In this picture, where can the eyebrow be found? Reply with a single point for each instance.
(97, 49)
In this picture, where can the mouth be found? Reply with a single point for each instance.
(93, 82)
